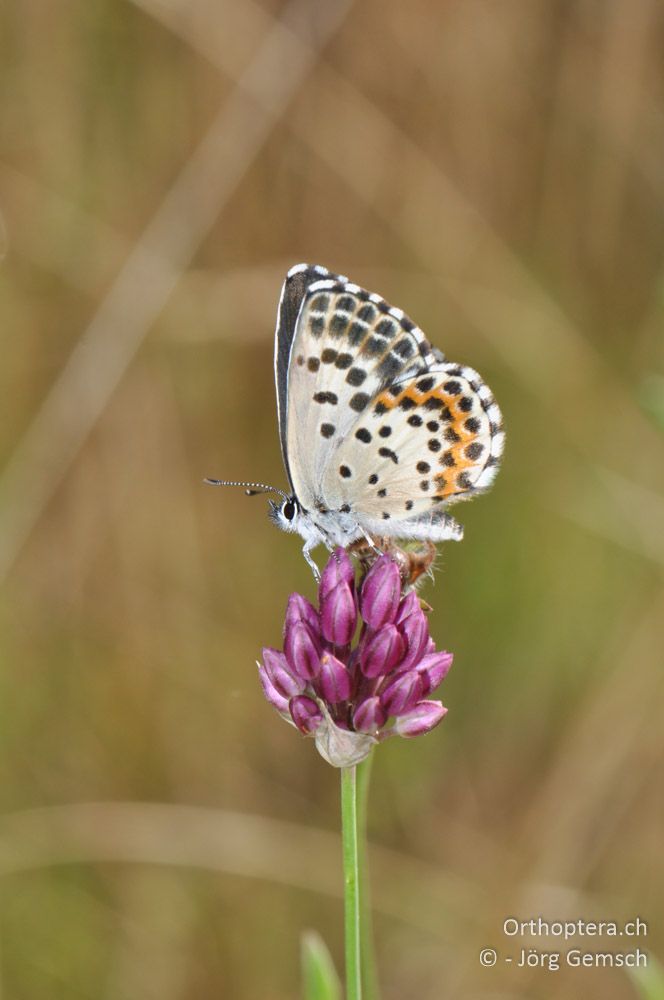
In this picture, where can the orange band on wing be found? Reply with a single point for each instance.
(454, 435)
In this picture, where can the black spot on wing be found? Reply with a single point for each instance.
(373, 346)
(356, 376)
(356, 334)
(404, 348)
(359, 401)
(390, 366)
(388, 453)
(338, 325)
(386, 328)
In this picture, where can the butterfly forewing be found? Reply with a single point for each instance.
(294, 289)
(348, 346)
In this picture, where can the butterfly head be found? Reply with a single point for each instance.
(286, 514)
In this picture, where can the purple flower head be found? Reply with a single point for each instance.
(352, 693)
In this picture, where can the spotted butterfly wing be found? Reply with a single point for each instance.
(379, 433)
(294, 289)
(425, 442)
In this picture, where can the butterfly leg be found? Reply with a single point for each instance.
(372, 545)
(306, 552)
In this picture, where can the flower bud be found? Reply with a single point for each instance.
(433, 668)
(410, 603)
(338, 614)
(334, 681)
(415, 631)
(422, 718)
(403, 693)
(369, 716)
(381, 592)
(280, 674)
(270, 692)
(301, 651)
(381, 651)
(299, 609)
(339, 569)
(306, 714)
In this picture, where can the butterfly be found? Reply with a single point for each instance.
(379, 433)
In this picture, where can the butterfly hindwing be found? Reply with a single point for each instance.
(423, 443)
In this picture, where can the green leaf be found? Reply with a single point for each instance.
(318, 973)
(649, 982)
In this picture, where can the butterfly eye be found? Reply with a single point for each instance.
(289, 510)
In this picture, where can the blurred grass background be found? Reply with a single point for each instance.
(497, 170)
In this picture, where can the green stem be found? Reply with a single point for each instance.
(351, 883)
(369, 969)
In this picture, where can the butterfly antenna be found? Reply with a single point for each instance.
(251, 489)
